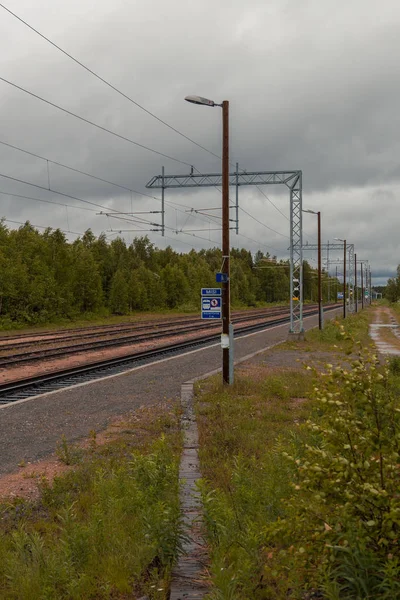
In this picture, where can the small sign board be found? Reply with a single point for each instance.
(211, 307)
(340, 295)
(221, 277)
(211, 291)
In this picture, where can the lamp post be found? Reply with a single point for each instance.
(344, 276)
(320, 317)
(355, 283)
(227, 372)
(364, 266)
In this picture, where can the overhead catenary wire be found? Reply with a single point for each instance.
(259, 243)
(41, 187)
(116, 212)
(124, 95)
(115, 133)
(88, 121)
(40, 226)
(54, 162)
(263, 224)
(110, 85)
(81, 172)
(48, 201)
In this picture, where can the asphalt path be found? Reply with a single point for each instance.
(30, 429)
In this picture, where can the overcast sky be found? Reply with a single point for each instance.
(312, 85)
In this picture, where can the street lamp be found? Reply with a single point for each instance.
(227, 372)
(318, 213)
(344, 276)
(362, 263)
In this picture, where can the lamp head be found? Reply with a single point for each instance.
(199, 100)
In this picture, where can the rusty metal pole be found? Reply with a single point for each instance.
(344, 280)
(362, 287)
(226, 318)
(355, 283)
(319, 273)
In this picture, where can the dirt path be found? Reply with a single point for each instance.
(385, 331)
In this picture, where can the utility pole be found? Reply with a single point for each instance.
(320, 318)
(227, 330)
(226, 318)
(370, 284)
(319, 273)
(336, 282)
(344, 280)
(329, 279)
(355, 283)
(362, 286)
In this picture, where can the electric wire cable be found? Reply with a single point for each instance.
(77, 171)
(76, 116)
(54, 162)
(110, 85)
(40, 226)
(41, 187)
(263, 224)
(118, 91)
(115, 133)
(259, 243)
(48, 201)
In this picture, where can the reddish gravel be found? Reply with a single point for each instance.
(83, 358)
(14, 373)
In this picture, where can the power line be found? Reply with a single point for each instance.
(83, 173)
(76, 170)
(40, 226)
(114, 133)
(110, 85)
(274, 205)
(41, 187)
(259, 243)
(177, 231)
(263, 224)
(48, 201)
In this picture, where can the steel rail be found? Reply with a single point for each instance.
(92, 332)
(64, 378)
(68, 350)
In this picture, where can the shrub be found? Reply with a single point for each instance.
(346, 506)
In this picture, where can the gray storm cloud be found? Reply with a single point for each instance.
(312, 85)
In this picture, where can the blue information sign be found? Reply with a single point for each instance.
(211, 291)
(211, 307)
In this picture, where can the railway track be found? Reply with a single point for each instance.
(48, 337)
(122, 340)
(64, 378)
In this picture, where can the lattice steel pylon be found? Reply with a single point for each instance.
(350, 274)
(292, 180)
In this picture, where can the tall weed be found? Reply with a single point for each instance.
(116, 534)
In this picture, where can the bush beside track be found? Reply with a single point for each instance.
(300, 470)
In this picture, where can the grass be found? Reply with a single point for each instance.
(396, 308)
(109, 528)
(245, 475)
(265, 439)
(356, 326)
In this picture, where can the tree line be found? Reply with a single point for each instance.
(44, 277)
(392, 290)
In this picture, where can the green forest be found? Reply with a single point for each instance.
(45, 278)
(392, 290)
